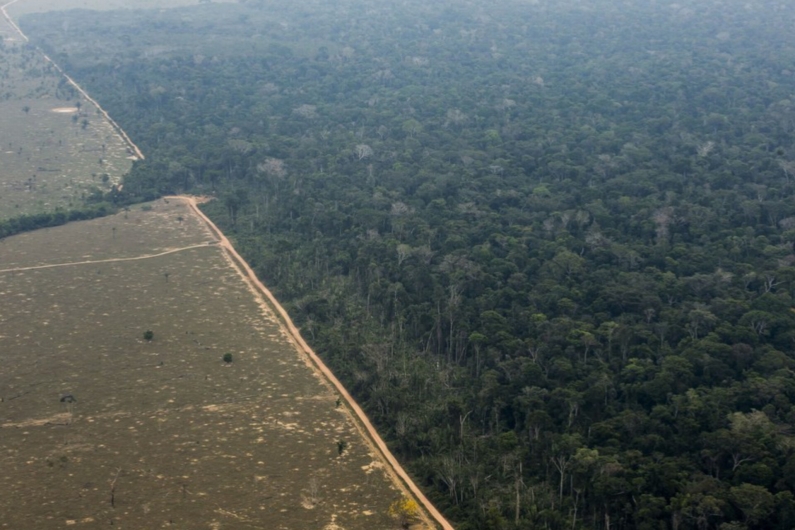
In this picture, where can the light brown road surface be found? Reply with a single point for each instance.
(354, 406)
(10, 21)
(91, 262)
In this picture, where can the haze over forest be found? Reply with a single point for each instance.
(548, 246)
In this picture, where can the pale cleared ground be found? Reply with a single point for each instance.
(52, 155)
(190, 442)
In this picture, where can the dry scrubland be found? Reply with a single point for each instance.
(51, 153)
(182, 440)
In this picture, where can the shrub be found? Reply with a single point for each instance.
(405, 511)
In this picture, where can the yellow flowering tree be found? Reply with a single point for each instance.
(405, 511)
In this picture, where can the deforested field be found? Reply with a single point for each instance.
(55, 146)
(99, 426)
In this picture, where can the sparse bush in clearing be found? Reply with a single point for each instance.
(227, 358)
(149, 335)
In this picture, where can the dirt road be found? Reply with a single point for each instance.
(370, 431)
(10, 21)
(91, 262)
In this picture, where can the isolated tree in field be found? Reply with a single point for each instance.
(313, 492)
(149, 335)
(404, 511)
(113, 488)
(227, 358)
(69, 400)
(26, 109)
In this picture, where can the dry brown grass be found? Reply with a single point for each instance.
(191, 443)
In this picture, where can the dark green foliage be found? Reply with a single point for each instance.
(548, 247)
(227, 358)
(149, 335)
(26, 223)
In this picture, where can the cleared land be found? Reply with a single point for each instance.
(52, 153)
(162, 434)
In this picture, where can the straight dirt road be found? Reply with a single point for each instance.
(369, 431)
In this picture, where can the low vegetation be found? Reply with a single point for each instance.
(99, 428)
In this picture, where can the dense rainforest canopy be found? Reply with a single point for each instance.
(547, 245)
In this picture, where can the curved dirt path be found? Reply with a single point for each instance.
(320, 365)
(116, 127)
(110, 260)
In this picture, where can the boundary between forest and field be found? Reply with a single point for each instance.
(364, 421)
(248, 273)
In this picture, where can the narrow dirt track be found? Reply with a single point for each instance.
(321, 366)
(111, 260)
(10, 21)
